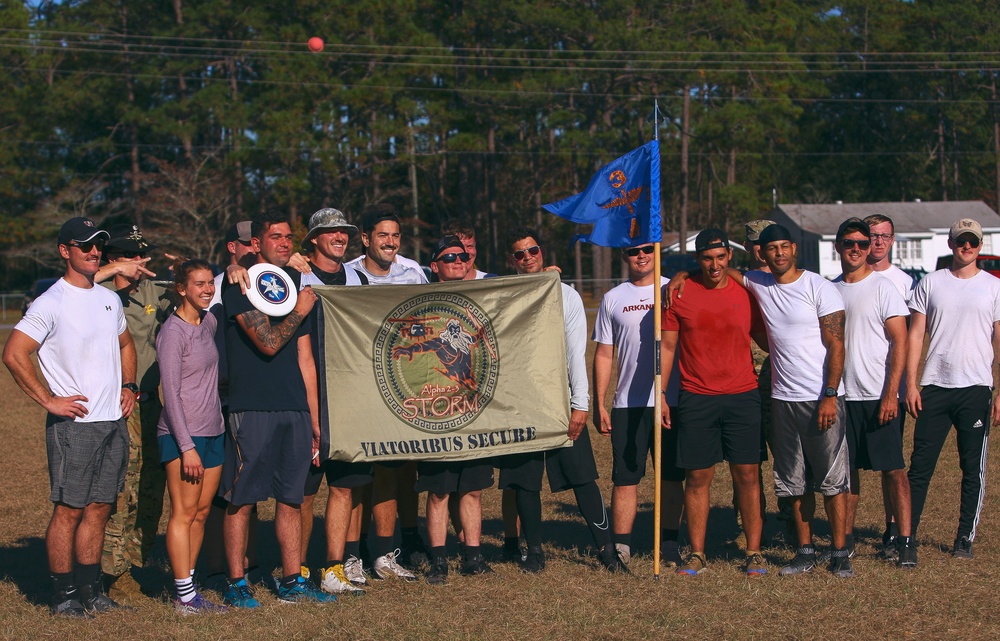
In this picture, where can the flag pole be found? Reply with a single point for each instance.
(657, 396)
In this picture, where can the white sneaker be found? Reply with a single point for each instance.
(354, 571)
(386, 567)
(335, 582)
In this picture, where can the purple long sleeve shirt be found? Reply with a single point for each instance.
(189, 375)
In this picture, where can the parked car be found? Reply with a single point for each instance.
(39, 288)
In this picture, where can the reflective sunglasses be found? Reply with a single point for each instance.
(453, 257)
(848, 243)
(632, 252)
(972, 242)
(521, 254)
(88, 246)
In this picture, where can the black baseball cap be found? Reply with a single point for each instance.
(448, 242)
(711, 238)
(853, 224)
(80, 230)
(774, 233)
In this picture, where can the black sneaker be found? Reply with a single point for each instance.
(438, 574)
(415, 554)
(803, 562)
(840, 567)
(962, 549)
(907, 553)
(611, 561)
(475, 565)
(535, 562)
(95, 601)
(67, 604)
(513, 554)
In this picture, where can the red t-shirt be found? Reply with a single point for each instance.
(714, 340)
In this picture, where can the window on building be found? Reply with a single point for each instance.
(909, 251)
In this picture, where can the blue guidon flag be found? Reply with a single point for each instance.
(622, 201)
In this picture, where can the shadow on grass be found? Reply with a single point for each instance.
(24, 565)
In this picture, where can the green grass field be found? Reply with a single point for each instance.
(573, 599)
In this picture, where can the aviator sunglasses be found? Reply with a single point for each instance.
(520, 254)
(632, 252)
(452, 257)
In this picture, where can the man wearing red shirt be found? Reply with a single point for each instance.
(719, 406)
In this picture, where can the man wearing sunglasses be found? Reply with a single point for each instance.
(624, 328)
(88, 360)
(131, 530)
(959, 308)
(875, 342)
(568, 468)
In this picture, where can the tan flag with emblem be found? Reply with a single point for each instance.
(447, 371)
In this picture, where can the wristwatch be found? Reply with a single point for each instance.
(830, 392)
(132, 387)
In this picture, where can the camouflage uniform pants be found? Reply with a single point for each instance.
(131, 530)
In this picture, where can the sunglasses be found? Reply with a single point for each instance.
(972, 242)
(88, 246)
(632, 252)
(848, 243)
(129, 255)
(453, 257)
(521, 254)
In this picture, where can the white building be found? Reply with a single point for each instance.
(921, 230)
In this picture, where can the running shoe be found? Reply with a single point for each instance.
(386, 567)
(198, 605)
(336, 582)
(840, 566)
(907, 556)
(624, 552)
(94, 600)
(512, 552)
(803, 562)
(66, 604)
(415, 554)
(693, 565)
(475, 565)
(612, 560)
(755, 565)
(301, 591)
(354, 570)
(962, 549)
(438, 574)
(239, 595)
(534, 562)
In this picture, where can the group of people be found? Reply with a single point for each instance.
(839, 353)
(239, 421)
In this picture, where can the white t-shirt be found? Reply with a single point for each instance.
(399, 274)
(869, 303)
(217, 296)
(77, 331)
(960, 315)
(904, 282)
(575, 322)
(480, 274)
(625, 320)
(791, 313)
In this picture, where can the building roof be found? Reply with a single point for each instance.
(907, 217)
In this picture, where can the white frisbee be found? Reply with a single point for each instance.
(271, 290)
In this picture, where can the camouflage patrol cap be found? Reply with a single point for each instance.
(754, 227)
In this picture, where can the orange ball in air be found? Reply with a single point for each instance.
(315, 44)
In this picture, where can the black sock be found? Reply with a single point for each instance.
(529, 508)
(470, 552)
(352, 548)
(511, 543)
(332, 562)
(381, 545)
(624, 539)
(87, 575)
(63, 582)
(410, 536)
(671, 535)
(290, 580)
(439, 552)
(591, 504)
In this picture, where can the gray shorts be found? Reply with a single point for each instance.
(807, 459)
(87, 461)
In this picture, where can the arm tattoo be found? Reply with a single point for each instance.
(272, 336)
(833, 325)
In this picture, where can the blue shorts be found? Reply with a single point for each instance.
(211, 449)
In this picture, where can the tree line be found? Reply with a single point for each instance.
(187, 115)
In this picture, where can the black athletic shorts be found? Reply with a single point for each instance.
(267, 456)
(873, 445)
(716, 428)
(441, 478)
(632, 440)
(567, 467)
(338, 474)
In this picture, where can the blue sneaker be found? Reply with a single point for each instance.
(239, 595)
(303, 590)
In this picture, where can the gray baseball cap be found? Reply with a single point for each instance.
(327, 219)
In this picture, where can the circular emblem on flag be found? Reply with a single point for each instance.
(271, 290)
(436, 361)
